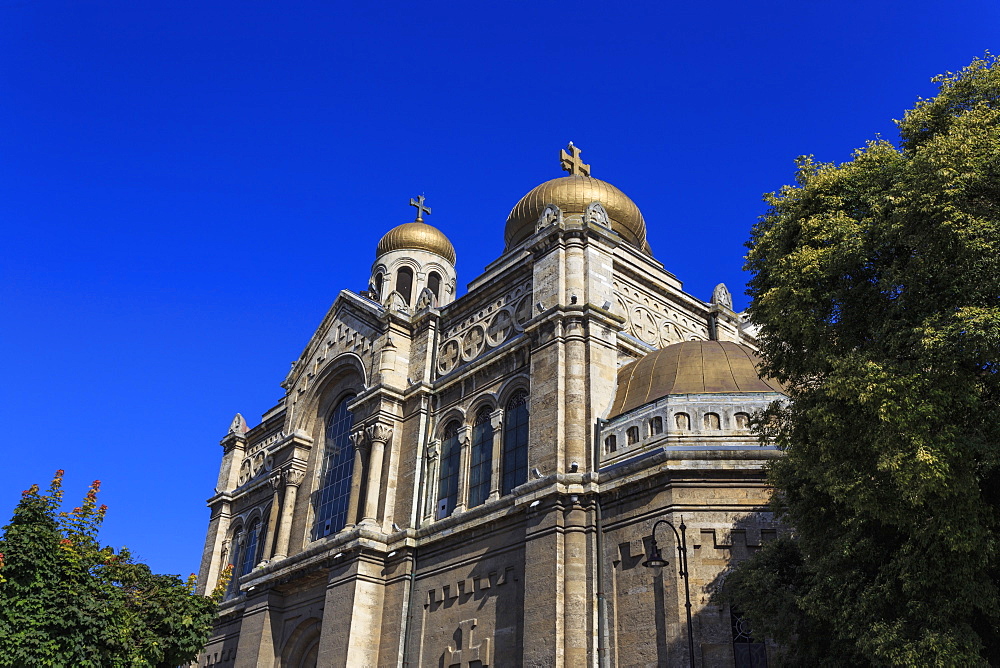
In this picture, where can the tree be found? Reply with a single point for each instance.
(876, 284)
(67, 601)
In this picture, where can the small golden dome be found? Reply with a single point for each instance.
(417, 235)
(573, 194)
(691, 367)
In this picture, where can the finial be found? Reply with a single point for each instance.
(572, 163)
(421, 209)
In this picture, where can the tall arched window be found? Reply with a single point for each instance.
(434, 284)
(378, 286)
(404, 284)
(515, 442)
(482, 458)
(451, 456)
(338, 465)
(251, 542)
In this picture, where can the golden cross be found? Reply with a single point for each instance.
(421, 209)
(572, 163)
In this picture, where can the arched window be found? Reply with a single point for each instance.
(379, 279)
(682, 421)
(451, 458)
(656, 426)
(610, 444)
(404, 284)
(742, 421)
(482, 458)
(515, 442)
(434, 284)
(632, 435)
(251, 544)
(338, 465)
(712, 421)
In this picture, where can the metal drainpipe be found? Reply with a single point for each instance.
(602, 603)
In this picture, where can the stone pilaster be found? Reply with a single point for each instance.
(464, 462)
(496, 421)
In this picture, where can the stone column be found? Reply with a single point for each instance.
(358, 441)
(464, 461)
(272, 521)
(293, 478)
(431, 480)
(378, 435)
(496, 421)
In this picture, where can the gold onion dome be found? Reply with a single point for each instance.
(417, 235)
(573, 194)
(691, 367)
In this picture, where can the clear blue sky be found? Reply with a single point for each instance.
(185, 186)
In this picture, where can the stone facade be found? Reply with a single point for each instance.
(441, 484)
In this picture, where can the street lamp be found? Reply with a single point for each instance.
(656, 560)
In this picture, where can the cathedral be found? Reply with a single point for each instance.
(554, 469)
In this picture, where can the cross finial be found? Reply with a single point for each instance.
(571, 161)
(421, 209)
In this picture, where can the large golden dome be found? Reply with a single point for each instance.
(573, 194)
(691, 367)
(417, 235)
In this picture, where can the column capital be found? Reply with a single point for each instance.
(433, 449)
(496, 419)
(379, 432)
(275, 479)
(294, 477)
(358, 438)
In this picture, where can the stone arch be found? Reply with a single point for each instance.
(512, 387)
(343, 375)
(451, 415)
(301, 648)
(487, 399)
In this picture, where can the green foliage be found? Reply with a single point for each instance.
(66, 601)
(876, 284)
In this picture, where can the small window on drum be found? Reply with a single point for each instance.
(712, 422)
(656, 426)
(632, 435)
(742, 421)
(379, 280)
(610, 445)
(434, 284)
(682, 421)
(404, 284)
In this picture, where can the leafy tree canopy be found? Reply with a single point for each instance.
(876, 284)
(67, 601)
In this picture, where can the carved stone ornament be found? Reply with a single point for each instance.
(294, 477)
(275, 481)
(380, 432)
(432, 450)
(596, 213)
(238, 426)
(721, 296)
(246, 472)
(358, 439)
(551, 215)
(468, 651)
(426, 299)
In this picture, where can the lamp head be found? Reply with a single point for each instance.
(656, 559)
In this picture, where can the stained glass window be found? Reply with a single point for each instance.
(482, 458)
(515, 442)
(338, 465)
(451, 456)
